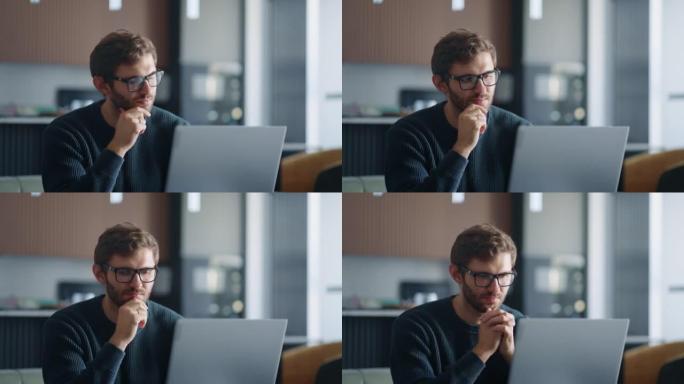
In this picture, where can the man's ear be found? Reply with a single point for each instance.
(101, 85)
(455, 274)
(440, 84)
(99, 274)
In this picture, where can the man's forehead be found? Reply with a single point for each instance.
(502, 262)
(140, 258)
(144, 66)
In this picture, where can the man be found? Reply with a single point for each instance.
(120, 337)
(464, 143)
(467, 338)
(122, 143)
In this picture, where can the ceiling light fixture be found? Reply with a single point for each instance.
(536, 9)
(457, 5)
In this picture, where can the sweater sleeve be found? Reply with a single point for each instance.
(410, 358)
(63, 168)
(64, 359)
(405, 169)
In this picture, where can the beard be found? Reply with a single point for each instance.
(475, 300)
(462, 103)
(118, 297)
(123, 102)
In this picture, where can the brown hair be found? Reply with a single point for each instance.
(124, 239)
(483, 242)
(459, 46)
(119, 47)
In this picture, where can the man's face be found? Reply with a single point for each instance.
(483, 299)
(481, 94)
(121, 292)
(144, 97)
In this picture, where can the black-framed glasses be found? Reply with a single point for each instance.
(468, 82)
(484, 279)
(135, 83)
(126, 275)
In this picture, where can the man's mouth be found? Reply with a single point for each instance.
(480, 100)
(491, 299)
(133, 295)
(145, 101)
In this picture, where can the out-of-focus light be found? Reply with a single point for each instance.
(115, 5)
(192, 9)
(378, 194)
(35, 1)
(377, 1)
(457, 197)
(457, 5)
(536, 202)
(194, 202)
(115, 198)
(536, 9)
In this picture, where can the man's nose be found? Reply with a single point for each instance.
(136, 281)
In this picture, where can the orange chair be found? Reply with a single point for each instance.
(300, 365)
(642, 364)
(298, 172)
(642, 172)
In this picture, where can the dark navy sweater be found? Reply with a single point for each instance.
(76, 347)
(418, 154)
(431, 344)
(75, 157)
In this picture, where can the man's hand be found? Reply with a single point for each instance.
(131, 316)
(129, 126)
(472, 122)
(507, 345)
(492, 329)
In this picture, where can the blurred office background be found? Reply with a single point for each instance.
(563, 62)
(579, 255)
(226, 62)
(222, 255)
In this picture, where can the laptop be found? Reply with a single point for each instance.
(567, 159)
(226, 351)
(565, 351)
(220, 158)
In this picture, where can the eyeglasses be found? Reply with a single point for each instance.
(484, 279)
(468, 82)
(126, 275)
(135, 83)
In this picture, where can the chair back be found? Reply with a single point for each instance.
(642, 364)
(642, 172)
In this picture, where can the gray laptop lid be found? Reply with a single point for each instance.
(225, 158)
(567, 159)
(226, 351)
(568, 351)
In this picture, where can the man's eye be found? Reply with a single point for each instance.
(467, 79)
(126, 272)
(135, 80)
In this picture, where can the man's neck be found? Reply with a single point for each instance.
(465, 311)
(451, 113)
(110, 309)
(109, 112)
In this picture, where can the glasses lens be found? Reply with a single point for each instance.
(124, 275)
(506, 279)
(135, 83)
(490, 78)
(467, 82)
(148, 275)
(483, 279)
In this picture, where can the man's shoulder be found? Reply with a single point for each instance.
(428, 311)
(162, 313)
(74, 120)
(79, 311)
(166, 118)
(422, 118)
(506, 118)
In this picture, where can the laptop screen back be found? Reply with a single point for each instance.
(565, 351)
(567, 159)
(225, 158)
(226, 351)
